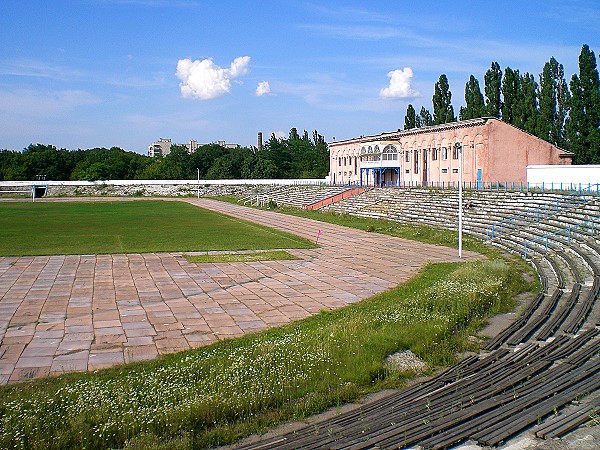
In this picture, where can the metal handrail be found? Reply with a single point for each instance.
(568, 231)
(536, 214)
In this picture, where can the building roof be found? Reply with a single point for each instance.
(397, 135)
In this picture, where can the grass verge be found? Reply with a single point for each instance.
(268, 255)
(53, 228)
(218, 394)
(406, 230)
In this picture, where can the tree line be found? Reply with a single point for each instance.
(292, 157)
(564, 114)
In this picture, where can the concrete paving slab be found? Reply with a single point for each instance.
(85, 312)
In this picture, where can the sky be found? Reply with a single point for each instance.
(124, 73)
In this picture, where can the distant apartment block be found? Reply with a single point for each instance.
(225, 145)
(162, 147)
(192, 146)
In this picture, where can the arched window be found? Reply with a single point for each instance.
(390, 153)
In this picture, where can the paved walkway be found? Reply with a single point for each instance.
(85, 312)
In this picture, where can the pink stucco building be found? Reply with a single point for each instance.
(492, 151)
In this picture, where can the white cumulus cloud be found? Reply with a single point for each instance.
(205, 80)
(399, 85)
(263, 88)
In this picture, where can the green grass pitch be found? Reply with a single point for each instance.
(56, 228)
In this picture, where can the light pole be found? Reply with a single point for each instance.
(458, 148)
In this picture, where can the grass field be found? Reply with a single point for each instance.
(50, 228)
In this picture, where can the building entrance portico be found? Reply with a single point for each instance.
(379, 164)
(381, 176)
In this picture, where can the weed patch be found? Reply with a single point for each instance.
(271, 255)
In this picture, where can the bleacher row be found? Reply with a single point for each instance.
(297, 196)
(526, 377)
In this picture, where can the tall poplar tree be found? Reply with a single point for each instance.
(294, 134)
(583, 124)
(526, 115)
(424, 118)
(563, 97)
(443, 112)
(553, 104)
(577, 126)
(511, 95)
(492, 89)
(475, 107)
(410, 120)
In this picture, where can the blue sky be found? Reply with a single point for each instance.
(102, 73)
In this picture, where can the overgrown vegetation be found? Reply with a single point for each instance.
(217, 394)
(406, 230)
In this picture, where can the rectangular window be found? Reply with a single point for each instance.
(340, 162)
(444, 170)
(407, 171)
(444, 153)
(454, 170)
(455, 152)
(407, 157)
(416, 161)
(434, 154)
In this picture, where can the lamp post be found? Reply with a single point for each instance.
(458, 148)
